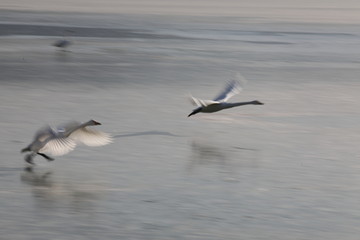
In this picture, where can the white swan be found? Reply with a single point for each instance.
(63, 139)
(220, 102)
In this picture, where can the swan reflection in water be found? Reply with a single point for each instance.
(50, 193)
(225, 159)
(37, 179)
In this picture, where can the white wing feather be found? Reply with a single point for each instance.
(233, 87)
(91, 137)
(58, 146)
(202, 103)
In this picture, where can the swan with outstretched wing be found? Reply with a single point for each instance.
(220, 102)
(63, 139)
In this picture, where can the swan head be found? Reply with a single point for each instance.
(256, 102)
(93, 123)
(195, 111)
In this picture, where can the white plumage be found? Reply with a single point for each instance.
(64, 138)
(220, 102)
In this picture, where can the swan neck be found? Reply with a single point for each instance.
(240, 104)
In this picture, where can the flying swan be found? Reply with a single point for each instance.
(64, 138)
(220, 102)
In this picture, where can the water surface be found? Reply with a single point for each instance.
(285, 170)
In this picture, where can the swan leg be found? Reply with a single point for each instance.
(46, 156)
(29, 158)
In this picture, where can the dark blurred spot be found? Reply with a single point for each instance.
(38, 179)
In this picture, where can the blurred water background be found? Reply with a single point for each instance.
(285, 170)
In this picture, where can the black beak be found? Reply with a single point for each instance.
(96, 122)
(195, 111)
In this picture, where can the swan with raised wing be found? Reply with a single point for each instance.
(64, 138)
(221, 101)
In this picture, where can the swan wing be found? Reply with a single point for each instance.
(58, 146)
(201, 103)
(44, 134)
(232, 88)
(91, 137)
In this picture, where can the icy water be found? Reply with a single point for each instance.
(286, 170)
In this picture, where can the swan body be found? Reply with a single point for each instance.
(220, 102)
(63, 139)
